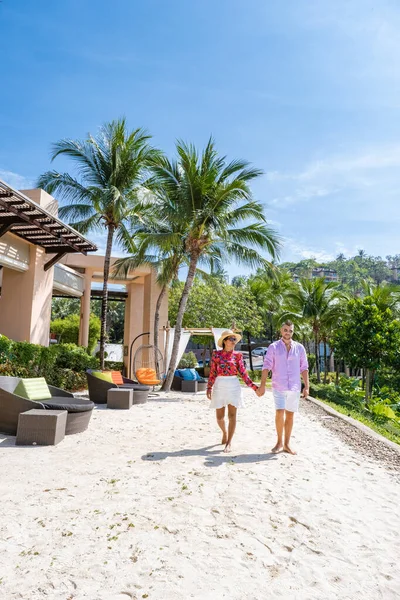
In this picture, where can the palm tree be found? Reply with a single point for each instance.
(211, 199)
(270, 287)
(384, 295)
(112, 168)
(316, 301)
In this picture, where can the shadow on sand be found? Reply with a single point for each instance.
(212, 458)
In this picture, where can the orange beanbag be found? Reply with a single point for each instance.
(147, 376)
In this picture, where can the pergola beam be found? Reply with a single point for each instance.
(54, 260)
(38, 224)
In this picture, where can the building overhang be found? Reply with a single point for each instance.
(24, 218)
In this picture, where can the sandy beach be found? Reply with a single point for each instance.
(145, 505)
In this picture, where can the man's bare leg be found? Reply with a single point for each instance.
(279, 423)
(232, 410)
(221, 423)
(288, 431)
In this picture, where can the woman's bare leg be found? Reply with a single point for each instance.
(221, 423)
(232, 410)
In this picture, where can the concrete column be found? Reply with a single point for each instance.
(133, 320)
(151, 293)
(85, 310)
(26, 300)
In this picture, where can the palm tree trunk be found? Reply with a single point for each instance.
(317, 357)
(325, 363)
(157, 313)
(179, 318)
(104, 302)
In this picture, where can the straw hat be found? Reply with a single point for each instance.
(228, 333)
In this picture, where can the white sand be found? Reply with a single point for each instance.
(145, 505)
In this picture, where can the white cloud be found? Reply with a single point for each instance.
(299, 251)
(15, 180)
(360, 170)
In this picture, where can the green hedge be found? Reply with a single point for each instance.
(63, 365)
(67, 330)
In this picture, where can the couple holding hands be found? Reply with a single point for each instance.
(286, 359)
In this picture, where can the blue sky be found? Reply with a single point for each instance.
(307, 90)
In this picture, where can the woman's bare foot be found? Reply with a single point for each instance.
(227, 448)
(288, 449)
(277, 448)
(224, 438)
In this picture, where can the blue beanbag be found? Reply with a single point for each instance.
(189, 374)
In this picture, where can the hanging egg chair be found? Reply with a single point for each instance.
(148, 365)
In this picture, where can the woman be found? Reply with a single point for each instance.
(226, 365)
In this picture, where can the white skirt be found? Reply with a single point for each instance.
(226, 390)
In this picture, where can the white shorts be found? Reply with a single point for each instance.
(226, 390)
(286, 400)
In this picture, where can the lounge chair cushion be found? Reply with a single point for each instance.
(103, 375)
(189, 374)
(33, 389)
(117, 378)
(147, 376)
(73, 406)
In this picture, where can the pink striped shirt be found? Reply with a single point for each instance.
(286, 366)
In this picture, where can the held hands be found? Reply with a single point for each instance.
(260, 391)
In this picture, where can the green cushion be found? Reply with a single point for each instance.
(105, 375)
(33, 389)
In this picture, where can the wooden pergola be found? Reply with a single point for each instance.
(21, 216)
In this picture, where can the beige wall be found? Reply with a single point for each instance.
(25, 306)
(14, 252)
(139, 313)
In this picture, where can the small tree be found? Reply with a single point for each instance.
(369, 338)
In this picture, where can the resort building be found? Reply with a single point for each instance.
(40, 256)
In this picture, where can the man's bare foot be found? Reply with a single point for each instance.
(227, 448)
(224, 439)
(288, 449)
(277, 448)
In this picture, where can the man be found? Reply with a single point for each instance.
(286, 359)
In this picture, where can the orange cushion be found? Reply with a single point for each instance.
(147, 376)
(117, 378)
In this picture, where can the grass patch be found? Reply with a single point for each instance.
(388, 429)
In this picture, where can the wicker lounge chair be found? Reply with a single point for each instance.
(190, 384)
(98, 389)
(11, 405)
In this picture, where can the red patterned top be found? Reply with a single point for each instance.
(225, 363)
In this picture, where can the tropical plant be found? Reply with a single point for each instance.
(269, 288)
(317, 302)
(211, 199)
(368, 338)
(108, 193)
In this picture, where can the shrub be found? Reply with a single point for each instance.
(5, 348)
(114, 365)
(67, 330)
(70, 356)
(311, 362)
(188, 361)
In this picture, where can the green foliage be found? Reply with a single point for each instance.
(67, 330)
(70, 356)
(114, 365)
(188, 361)
(311, 362)
(217, 306)
(62, 365)
(5, 346)
(369, 337)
